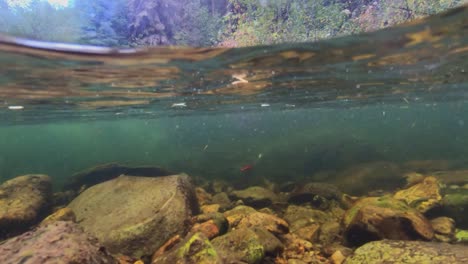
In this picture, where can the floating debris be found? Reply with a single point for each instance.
(179, 105)
(16, 107)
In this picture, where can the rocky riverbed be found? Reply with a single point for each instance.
(118, 214)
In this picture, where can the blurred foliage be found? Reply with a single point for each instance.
(103, 22)
(39, 20)
(229, 23)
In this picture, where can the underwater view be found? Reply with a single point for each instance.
(344, 150)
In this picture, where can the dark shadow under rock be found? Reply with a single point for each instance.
(105, 172)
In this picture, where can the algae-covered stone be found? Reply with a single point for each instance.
(63, 214)
(241, 244)
(444, 228)
(461, 236)
(255, 196)
(24, 200)
(244, 216)
(455, 205)
(59, 242)
(417, 252)
(136, 215)
(375, 218)
(195, 248)
(423, 196)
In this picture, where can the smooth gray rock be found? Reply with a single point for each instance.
(136, 215)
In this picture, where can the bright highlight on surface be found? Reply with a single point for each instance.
(60, 3)
(23, 3)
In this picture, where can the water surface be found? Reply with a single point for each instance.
(290, 110)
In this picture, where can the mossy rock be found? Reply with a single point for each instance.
(376, 218)
(423, 196)
(461, 236)
(242, 244)
(388, 251)
(195, 248)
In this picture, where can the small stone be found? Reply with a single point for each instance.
(271, 244)
(241, 244)
(244, 216)
(309, 232)
(443, 225)
(208, 228)
(444, 228)
(194, 248)
(211, 208)
(223, 200)
(461, 236)
(203, 196)
(329, 233)
(337, 257)
(255, 196)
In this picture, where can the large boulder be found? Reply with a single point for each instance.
(59, 242)
(136, 215)
(388, 251)
(375, 218)
(24, 200)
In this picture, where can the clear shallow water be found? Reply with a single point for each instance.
(289, 110)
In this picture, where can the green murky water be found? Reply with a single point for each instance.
(290, 111)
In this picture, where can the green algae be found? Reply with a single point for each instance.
(461, 236)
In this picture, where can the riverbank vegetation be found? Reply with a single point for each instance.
(231, 23)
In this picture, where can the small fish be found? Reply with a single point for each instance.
(246, 168)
